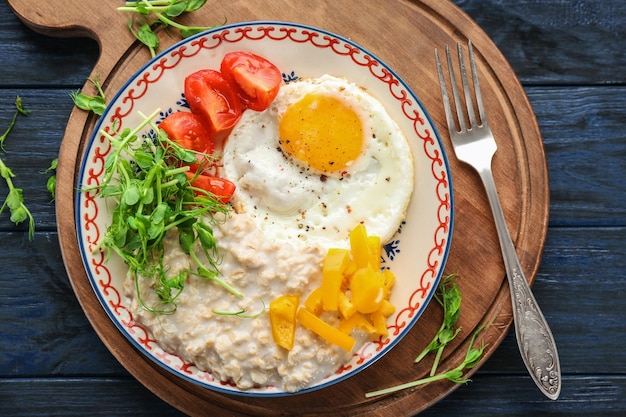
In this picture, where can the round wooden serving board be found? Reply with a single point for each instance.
(404, 34)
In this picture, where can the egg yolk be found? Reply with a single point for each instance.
(322, 132)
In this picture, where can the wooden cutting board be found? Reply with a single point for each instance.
(404, 34)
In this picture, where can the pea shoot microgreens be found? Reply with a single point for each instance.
(15, 198)
(19, 106)
(472, 357)
(144, 177)
(242, 313)
(449, 297)
(96, 103)
(51, 184)
(146, 15)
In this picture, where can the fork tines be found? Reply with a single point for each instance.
(469, 106)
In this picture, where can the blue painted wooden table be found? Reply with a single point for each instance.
(570, 57)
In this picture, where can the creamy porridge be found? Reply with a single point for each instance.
(235, 349)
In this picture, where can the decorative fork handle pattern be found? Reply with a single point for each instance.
(534, 338)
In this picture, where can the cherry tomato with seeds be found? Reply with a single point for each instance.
(214, 99)
(222, 188)
(189, 131)
(256, 79)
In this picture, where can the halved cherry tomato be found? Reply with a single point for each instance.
(213, 98)
(220, 187)
(189, 131)
(257, 80)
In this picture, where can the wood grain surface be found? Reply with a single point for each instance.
(118, 61)
(570, 58)
(519, 168)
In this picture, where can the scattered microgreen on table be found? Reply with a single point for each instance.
(51, 184)
(147, 15)
(19, 109)
(15, 198)
(96, 103)
(472, 357)
(449, 297)
(145, 177)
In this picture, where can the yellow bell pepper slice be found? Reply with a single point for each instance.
(352, 285)
(387, 308)
(359, 246)
(380, 323)
(367, 291)
(314, 301)
(357, 320)
(324, 330)
(346, 307)
(332, 276)
(373, 243)
(283, 319)
(349, 271)
(389, 279)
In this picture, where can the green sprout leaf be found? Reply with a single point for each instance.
(176, 9)
(449, 296)
(51, 186)
(152, 196)
(19, 106)
(155, 13)
(95, 104)
(146, 35)
(14, 200)
(472, 357)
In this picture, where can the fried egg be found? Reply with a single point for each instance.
(324, 157)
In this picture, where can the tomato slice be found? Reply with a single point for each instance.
(257, 80)
(189, 131)
(222, 188)
(213, 98)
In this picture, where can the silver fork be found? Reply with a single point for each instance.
(475, 145)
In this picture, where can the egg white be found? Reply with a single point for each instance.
(290, 202)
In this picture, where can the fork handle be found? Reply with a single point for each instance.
(534, 338)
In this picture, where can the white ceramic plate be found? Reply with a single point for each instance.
(416, 255)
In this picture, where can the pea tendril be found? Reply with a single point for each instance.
(242, 313)
(15, 198)
(19, 109)
(144, 175)
(449, 297)
(147, 15)
(472, 357)
(95, 103)
(51, 184)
